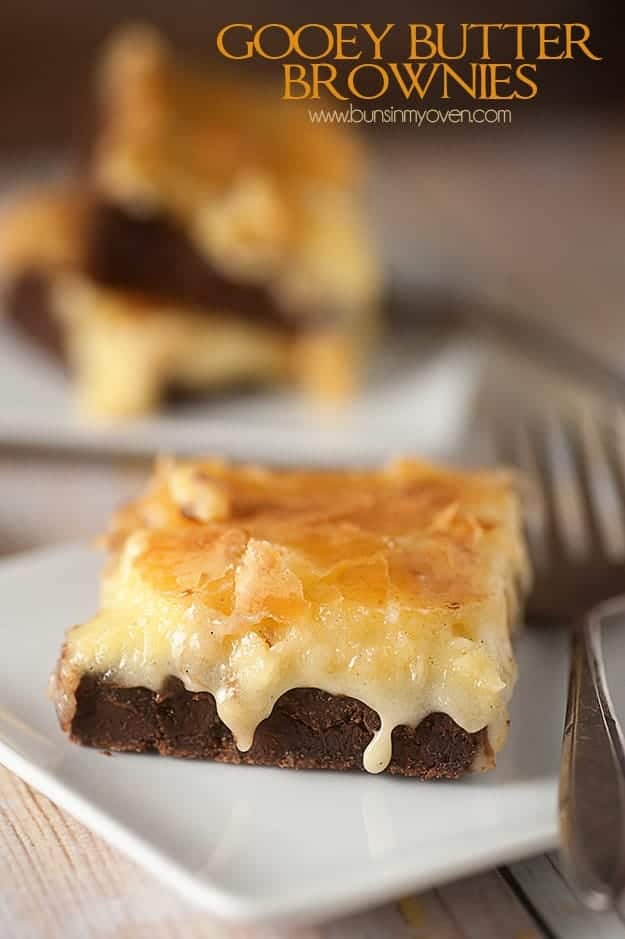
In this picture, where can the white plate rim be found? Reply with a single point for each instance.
(300, 907)
(227, 906)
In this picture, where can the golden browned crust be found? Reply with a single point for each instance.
(191, 129)
(365, 510)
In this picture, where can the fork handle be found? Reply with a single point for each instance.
(592, 772)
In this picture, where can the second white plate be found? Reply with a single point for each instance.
(417, 397)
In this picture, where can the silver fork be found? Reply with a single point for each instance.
(581, 581)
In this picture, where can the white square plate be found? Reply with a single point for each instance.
(419, 390)
(253, 844)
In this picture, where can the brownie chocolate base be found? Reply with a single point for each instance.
(153, 255)
(29, 309)
(307, 729)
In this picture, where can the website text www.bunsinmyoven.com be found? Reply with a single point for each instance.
(416, 117)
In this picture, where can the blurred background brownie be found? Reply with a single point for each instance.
(220, 239)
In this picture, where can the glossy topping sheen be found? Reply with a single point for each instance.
(396, 587)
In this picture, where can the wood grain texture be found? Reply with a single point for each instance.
(59, 880)
(542, 882)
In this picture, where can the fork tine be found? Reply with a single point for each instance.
(611, 438)
(511, 437)
(506, 440)
(554, 541)
(582, 465)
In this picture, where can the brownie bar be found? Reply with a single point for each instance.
(153, 255)
(307, 729)
(395, 587)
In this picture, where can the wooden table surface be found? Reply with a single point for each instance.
(59, 880)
